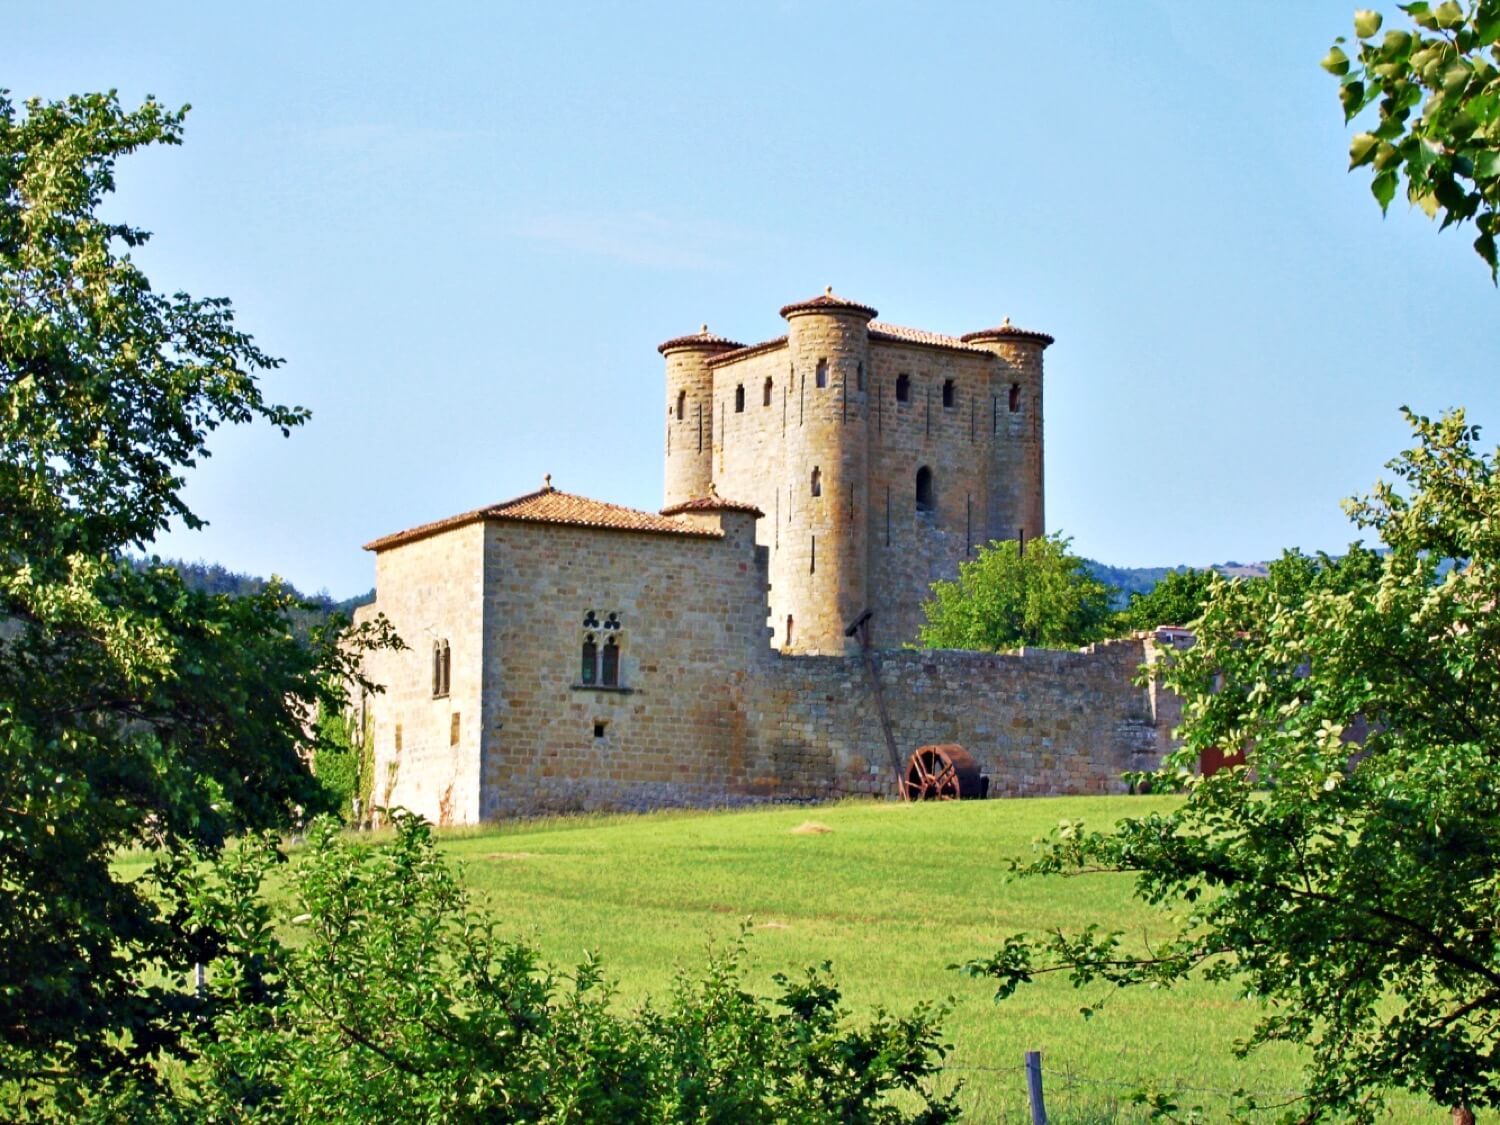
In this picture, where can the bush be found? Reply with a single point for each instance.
(397, 1002)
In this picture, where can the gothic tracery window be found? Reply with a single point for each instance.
(599, 663)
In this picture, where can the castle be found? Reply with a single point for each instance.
(742, 644)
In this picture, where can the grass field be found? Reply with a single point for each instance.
(892, 895)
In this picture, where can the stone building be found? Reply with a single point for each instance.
(566, 653)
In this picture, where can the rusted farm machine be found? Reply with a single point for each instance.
(943, 772)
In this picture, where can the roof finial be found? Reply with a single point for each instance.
(703, 330)
(713, 489)
(546, 482)
(1005, 323)
(828, 290)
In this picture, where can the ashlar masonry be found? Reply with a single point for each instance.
(566, 654)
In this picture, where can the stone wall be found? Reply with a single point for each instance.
(909, 549)
(1037, 722)
(862, 543)
(426, 746)
(692, 611)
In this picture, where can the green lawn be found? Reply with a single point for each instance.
(892, 895)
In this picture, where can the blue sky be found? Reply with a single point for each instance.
(466, 227)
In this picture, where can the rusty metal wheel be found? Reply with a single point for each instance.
(943, 772)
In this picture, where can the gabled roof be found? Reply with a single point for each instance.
(747, 351)
(549, 505)
(898, 334)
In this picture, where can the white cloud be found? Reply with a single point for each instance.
(640, 239)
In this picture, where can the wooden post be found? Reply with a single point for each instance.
(1034, 1087)
(861, 627)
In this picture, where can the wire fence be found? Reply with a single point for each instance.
(1073, 1097)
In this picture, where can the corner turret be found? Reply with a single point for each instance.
(820, 574)
(690, 416)
(1016, 486)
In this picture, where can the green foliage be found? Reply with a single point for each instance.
(336, 763)
(1005, 597)
(133, 709)
(1444, 70)
(1352, 886)
(396, 1001)
(312, 610)
(1177, 599)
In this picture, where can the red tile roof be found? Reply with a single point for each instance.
(713, 502)
(1005, 331)
(702, 340)
(827, 301)
(551, 506)
(748, 351)
(897, 334)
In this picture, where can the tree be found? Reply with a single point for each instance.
(1010, 594)
(1177, 599)
(133, 710)
(1449, 155)
(397, 1001)
(1347, 875)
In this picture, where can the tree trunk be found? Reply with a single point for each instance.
(1463, 1115)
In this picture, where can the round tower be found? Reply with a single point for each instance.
(818, 575)
(1016, 507)
(690, 415)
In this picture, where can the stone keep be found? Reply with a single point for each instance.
(566, 653)
(881, 456)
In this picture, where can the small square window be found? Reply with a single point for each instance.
(599, 726)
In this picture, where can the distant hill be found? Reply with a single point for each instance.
(1142, 579)
(215, 579)
(211, 578)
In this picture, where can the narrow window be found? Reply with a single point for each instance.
(453, 730)
(1015, 397)
(765, 394)
(739, 399)
(610, 673)
(817, 481)
(786, 644)
(598, 729)
(822, 374)
(948, 393)
(859, 377)
(398, 729)
(589, 665)
(681, 405)
(903, 388)
(924, 489)
(441, 667)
